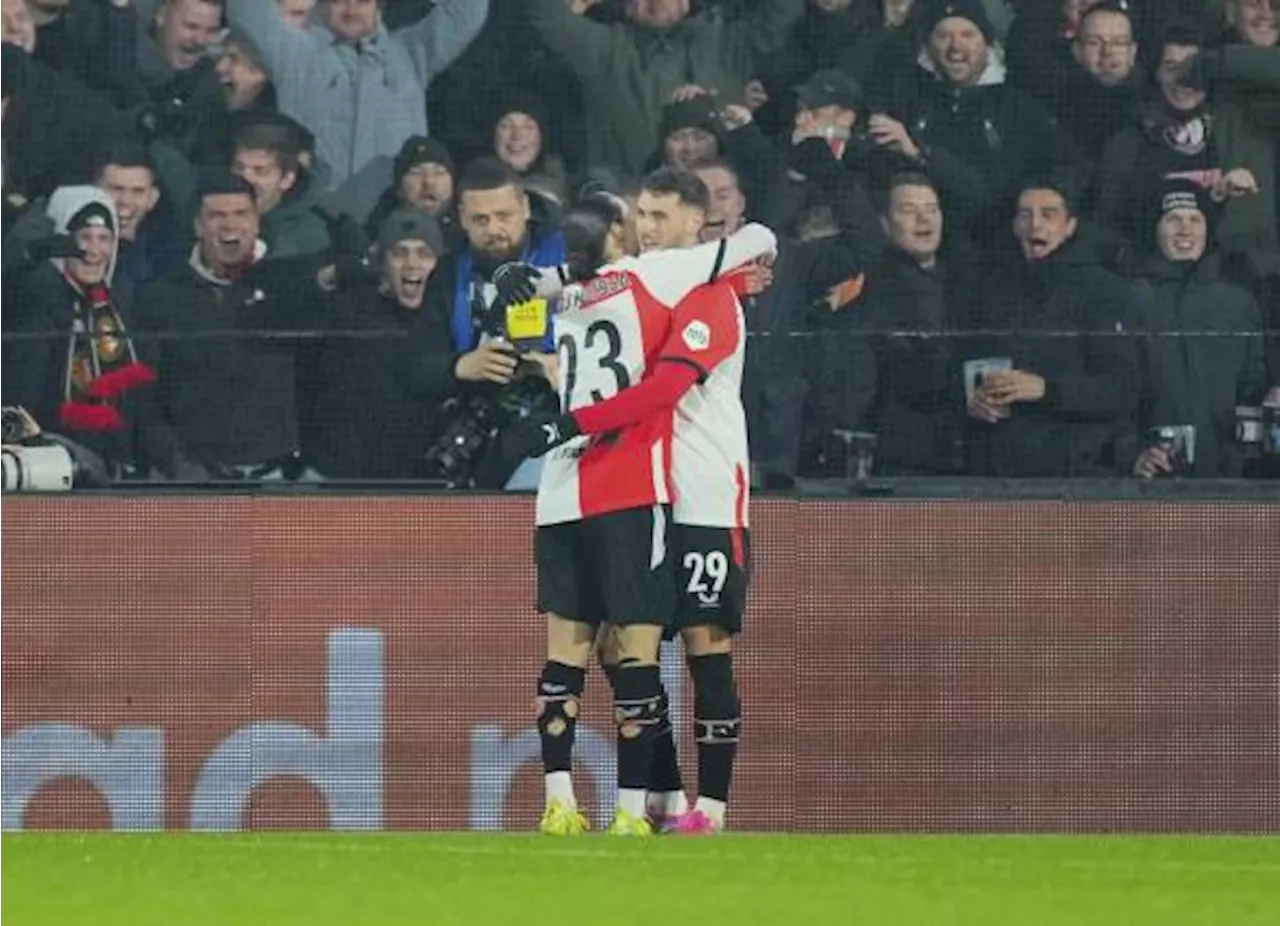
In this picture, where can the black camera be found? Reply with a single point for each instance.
(470, 439)
(13, 426)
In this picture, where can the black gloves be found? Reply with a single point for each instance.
(1201, 70)
(53, 246)
(538, 434)
(516, 283)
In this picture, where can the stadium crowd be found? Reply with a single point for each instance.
(257, 239)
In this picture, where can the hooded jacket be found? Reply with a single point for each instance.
(77, 372)
(1193, 372)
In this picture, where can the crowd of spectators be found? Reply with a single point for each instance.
(256, 239)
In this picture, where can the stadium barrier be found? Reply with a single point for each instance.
(369, 662)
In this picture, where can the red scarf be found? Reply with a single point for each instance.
(102, 365)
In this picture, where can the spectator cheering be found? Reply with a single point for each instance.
(149, 245)
(1201, 360)
(1047, 405)
(267, 157)
(629, 70)
(520, 141)
(422, 178)
(359, 88)
(84, 377)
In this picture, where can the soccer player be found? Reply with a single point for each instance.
(697, 382)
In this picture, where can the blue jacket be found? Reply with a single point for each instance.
(363, 99)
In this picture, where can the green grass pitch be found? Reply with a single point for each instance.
(317, 879)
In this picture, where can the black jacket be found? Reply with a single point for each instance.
(979, 143)
(93, 42)
(226, 376)
(1199, 380)
(783, 364)
(54, 128)
(40, 308)
(371, 389)
(1070, 321)
(917, 406)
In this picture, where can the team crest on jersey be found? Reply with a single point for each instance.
(602, 288)
(697, 335)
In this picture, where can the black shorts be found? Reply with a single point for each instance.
(613, 567)
(713, 568)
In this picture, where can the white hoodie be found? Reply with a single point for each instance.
(67, 202)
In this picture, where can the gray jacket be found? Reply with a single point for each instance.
(362, 99)
(628, 72)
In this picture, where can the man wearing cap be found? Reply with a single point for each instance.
(371, 390)
(630, 69)
(422, 178)
(826, 169)
(1204, 352)
(359, 87)
(954, 116)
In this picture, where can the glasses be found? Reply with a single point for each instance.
(1093, 43)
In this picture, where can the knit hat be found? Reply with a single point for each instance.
(1183, 194)
(830, 87)
(971, 10)
(525, 103)
(699, 112)
(420, 149)
(410, 224)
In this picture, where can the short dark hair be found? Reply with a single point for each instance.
(685, 185)
(126, 154)
(221, 182)
(1063, 186)
(720, 164)
(277, 138)
(488, 173)
(901, 179)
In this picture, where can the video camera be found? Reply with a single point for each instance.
(480, 413)
(32, 460)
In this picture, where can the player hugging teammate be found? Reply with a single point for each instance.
(642, 506)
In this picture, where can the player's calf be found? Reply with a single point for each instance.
(717, 725)
(637, 703)
(666, 800)
(559, 698)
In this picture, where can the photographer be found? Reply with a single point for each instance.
(502, 224)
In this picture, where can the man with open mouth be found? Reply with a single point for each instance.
(1061, 373)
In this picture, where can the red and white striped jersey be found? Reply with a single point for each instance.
(709, 460)
(610, 331)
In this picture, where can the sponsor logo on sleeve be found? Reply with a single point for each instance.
(696, 335)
